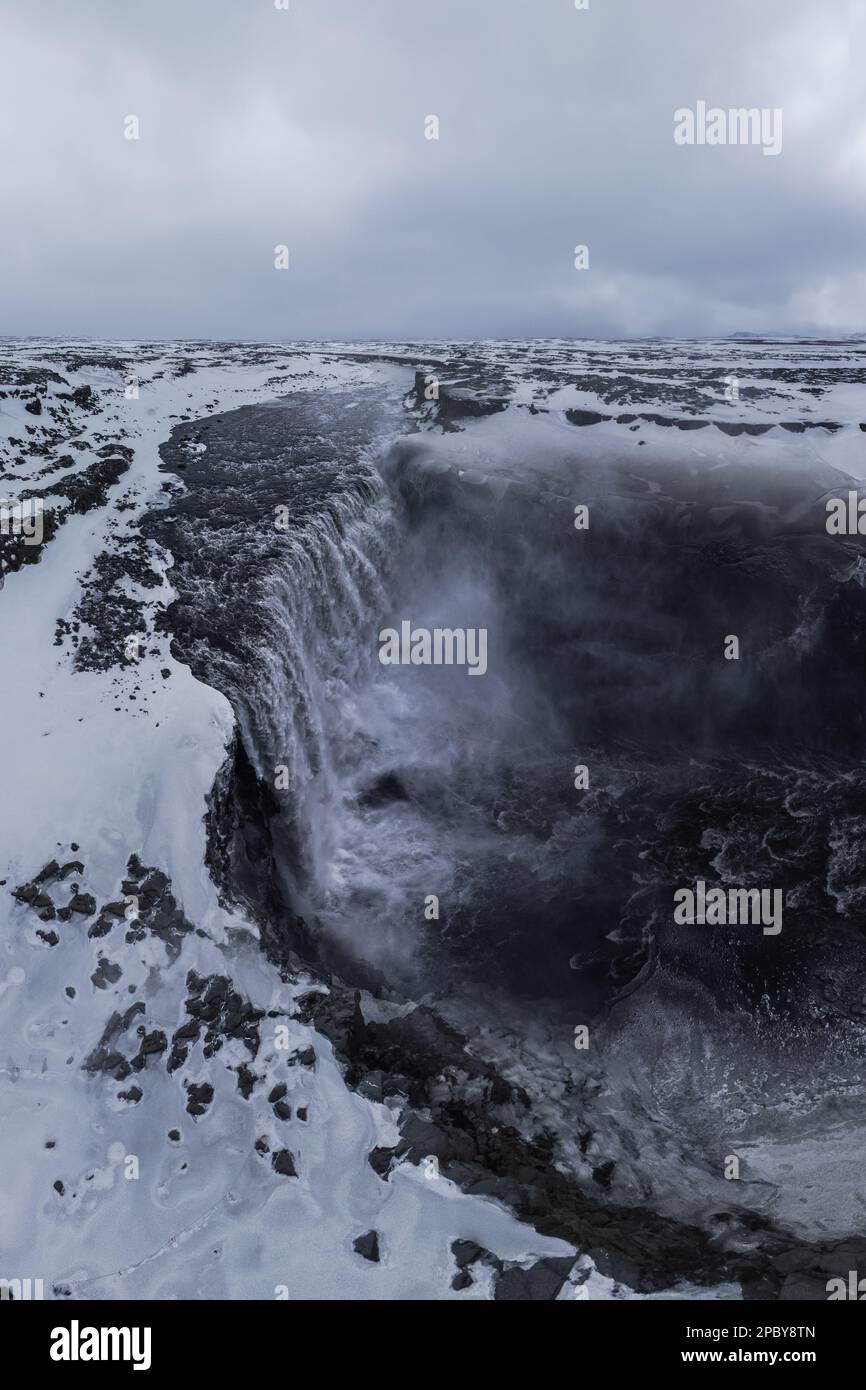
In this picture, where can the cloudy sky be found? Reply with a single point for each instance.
(306, 127)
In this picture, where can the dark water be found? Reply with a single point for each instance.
(605, 650)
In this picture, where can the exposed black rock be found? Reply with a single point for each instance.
(541, 1283)
(283, 1163)
(368, 1246)
(199, 1097)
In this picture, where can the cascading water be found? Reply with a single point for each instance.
(409, 784)
(270, 616)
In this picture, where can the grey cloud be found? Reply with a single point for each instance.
(261, 127)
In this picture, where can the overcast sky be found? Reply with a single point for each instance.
(306, 127)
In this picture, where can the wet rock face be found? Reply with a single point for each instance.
(386, 789)
(244, 841)
(451, 402)
(479, 1134)
(477, 1131)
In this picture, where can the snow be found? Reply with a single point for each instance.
(208, 1216)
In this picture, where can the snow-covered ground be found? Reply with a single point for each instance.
(97, 1200)
(231, 1161)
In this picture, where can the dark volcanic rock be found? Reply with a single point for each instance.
(106, 973)
(385, 789)
(368, 1246)
(283, 1163)
(585, 417)
(199, 1098)
(541, 1283)
(83, 903)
